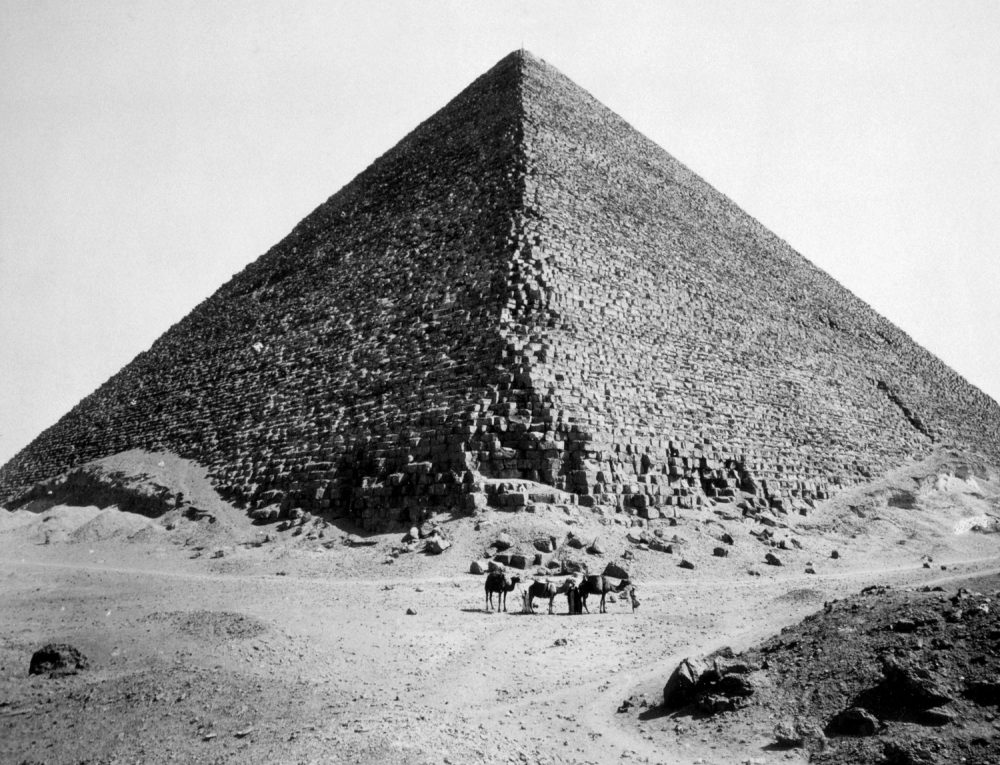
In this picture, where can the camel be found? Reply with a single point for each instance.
(498, 582)
(601, 585)
(548, 590)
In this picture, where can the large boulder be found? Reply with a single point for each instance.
(57, 658)
(683, 682)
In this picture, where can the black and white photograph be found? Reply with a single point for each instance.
(442, 382)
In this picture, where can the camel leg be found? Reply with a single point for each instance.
(502, 597)
(604, 609)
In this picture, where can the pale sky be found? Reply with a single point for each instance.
(151, 149)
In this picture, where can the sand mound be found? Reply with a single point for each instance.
(15, 519)
(112, 523)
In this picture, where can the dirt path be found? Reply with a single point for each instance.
(202, 663)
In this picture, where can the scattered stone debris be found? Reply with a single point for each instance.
(885, 677)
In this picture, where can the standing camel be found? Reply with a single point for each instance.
(547, 590)
(596, 584)
(498, 582)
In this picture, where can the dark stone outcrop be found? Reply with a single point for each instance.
(57, 659)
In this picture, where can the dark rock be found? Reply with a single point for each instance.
(911, 686)
(437, 545)
(985, 692)
(733, 686)
(411, 612)
(503, 542)
(835, 554)
(546, 545)
(853, 721)
(57, 659)
(904, 625)
(686, 564)
(518, 561)
(772, 560)
(680, 688)
(615, 571)
(727, 538)
(720, 552)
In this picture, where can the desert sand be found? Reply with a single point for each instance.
(211, 639)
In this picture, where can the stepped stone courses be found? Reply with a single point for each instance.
(525, 288)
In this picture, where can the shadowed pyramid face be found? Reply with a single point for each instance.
(525, 288)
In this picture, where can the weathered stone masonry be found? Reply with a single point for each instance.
(525, 287)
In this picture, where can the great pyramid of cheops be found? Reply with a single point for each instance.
(525, 288)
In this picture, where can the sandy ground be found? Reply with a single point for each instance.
(297, 650)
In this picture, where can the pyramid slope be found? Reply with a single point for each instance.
(723, 349)
(525, 287)
(352, 348)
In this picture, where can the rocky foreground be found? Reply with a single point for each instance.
(900, 677)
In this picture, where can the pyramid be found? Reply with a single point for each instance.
(525, 291)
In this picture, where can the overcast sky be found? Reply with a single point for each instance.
(151, 149)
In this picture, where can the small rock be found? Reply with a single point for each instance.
(685, 563)
(57, 659)
(853, 721)
(411, 612)
(720, 552)
(984, 691)
(616, 571)
(835, 554)
(772, 560)
(437, 545)
(940, 716)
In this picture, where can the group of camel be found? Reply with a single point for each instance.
(500, 583)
